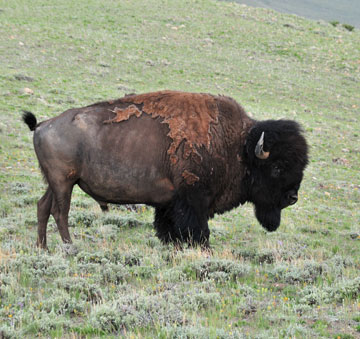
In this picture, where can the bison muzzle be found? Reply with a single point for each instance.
(189, 155)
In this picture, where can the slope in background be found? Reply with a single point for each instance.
(346, 11)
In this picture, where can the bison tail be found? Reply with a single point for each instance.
(30, 120)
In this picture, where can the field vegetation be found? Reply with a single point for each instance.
(302, 281)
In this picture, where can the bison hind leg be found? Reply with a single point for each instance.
(103, 205)
(43, 212)
(47, 205)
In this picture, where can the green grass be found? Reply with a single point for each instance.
(302, 281)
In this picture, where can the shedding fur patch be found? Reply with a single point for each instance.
(124, 114)
(190, 178)
(188, 115)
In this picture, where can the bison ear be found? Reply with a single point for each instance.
(259, 148)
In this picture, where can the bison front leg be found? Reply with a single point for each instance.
(190, 220)
(163, 224)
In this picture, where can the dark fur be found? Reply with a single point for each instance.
(29, 120)
(270, 182)
(182, 220)
(140, 159)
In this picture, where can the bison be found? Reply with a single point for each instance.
(189, 155)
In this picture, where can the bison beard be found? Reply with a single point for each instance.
(268, 218)
(189, 155)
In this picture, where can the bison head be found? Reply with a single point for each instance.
(276, 154)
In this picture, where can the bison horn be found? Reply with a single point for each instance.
(259, 149)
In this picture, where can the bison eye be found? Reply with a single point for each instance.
(275, 171)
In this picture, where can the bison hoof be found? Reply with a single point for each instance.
(42, 246)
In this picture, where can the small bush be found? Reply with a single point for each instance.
(107, 231)
(343, 336)
(288, 251)
(357, 318)
(19, 188)
(31, 222)
(112, 273)
(248, 306)
(219, 269)
(121, 221)
(174, 274)
(44, 323)
(129, 258)
(262, 256)
(82, 218)
(144, 272)
(40, 265)
(9, 226)
(95, 257)
(199, 332)
(313, 295)
(62, 303)
(87, 268)
(154, 310)
(301, 309)
(137, 310)
(294, 331)
(337, 264)
(106, 318)
(201, 300)
(132, 258)
(81, 288)
(292, 251)
(191, 297)
(81, 203)
(344, 289)
(25, 201)
(7, 332)
(294, 274)
(350, 28)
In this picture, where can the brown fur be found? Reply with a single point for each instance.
(188, 115)
(124, 114)
(190, 178)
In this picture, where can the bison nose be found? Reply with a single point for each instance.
(293, 198)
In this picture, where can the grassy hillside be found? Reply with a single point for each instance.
(302, 281)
